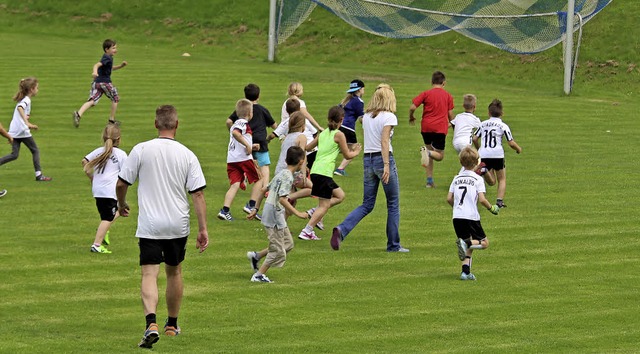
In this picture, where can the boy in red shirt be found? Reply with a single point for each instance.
(436, 115)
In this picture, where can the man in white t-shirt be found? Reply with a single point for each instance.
(465, 191)
(166, 171)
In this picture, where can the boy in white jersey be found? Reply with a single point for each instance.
(240, 163)
(465, 123)
(466, 190)
(491, 132)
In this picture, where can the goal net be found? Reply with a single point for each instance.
(517, 26)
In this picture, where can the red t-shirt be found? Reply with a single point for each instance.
(435, 115)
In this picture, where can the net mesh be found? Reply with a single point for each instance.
(517, 26)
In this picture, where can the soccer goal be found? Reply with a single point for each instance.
(516, 26)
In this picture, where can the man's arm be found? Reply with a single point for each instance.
(200, 205)
(121, 193)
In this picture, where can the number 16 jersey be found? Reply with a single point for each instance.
(490, 133)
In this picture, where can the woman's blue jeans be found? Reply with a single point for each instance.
(373, 168)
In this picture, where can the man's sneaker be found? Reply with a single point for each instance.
(246, 208)
(320, 224)
(469, 276)
(336, 238)
(76, 119)
(43, 178)
(430, 184)
(225, 216)
(3, 193)
(258, 217)
(115, 122)
(424, 160)
(151, 336)
(482, 169)
(501, 204)
(99, 249)
(106, 240)
(260, 278)
(309, 236)
(340, 172)
(462, 249)
(171, 331)
(251, 256)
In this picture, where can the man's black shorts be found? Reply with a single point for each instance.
(170, 251)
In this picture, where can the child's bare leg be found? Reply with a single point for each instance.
(337, 197)
(102, 231)
(256, 190)
(501, 175)
(231, 193)
(490, 177)
(344, 164)
(85, 107)
(114, 107)
(321, 211)
(264, 174)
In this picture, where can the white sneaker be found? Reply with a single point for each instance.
(309, 236)
(260, 278)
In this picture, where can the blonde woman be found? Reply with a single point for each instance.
(379, 166)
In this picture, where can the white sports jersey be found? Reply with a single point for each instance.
(104, 179)
(490, 133)
(237, 152)
(166, 170)
(309, 131)
(372, 128)
(465, 188)
(18, 128)
(284, 115)
(464, 124)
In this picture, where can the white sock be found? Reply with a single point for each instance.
(38, 173)
(476, 247)
(308, 229)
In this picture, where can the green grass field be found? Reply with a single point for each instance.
(560, 275)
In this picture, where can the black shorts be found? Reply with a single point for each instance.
(323, 186)
(436, 140)
(469, 229)
(495, 164)
(311, 158)
(107, 208)
(349, 134)
(170, 251)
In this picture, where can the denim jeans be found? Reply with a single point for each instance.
(373, 168)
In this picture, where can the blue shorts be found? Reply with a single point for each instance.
(262, 158)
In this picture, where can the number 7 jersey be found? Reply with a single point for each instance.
(465, 188)
(490, 133)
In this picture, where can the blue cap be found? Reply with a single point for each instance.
(355, 86)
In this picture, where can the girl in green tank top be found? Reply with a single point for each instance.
(330, 142)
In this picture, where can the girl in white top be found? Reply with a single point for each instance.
(295, 137)
(102, 166)
(295, 91)
(20, 128)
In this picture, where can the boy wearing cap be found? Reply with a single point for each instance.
(353, 106)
